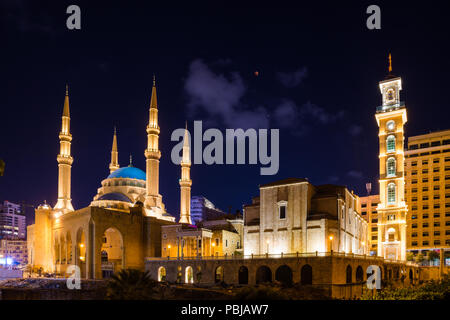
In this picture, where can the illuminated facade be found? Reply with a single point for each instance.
(368, 210)
(392, 209)
(120, 227)
(293, 216)
(427, 191)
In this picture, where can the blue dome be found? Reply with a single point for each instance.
(128, 172)
(115, 196)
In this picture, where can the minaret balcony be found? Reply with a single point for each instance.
(65, 136)
(153, 129)
(152, 154)
(63, 159)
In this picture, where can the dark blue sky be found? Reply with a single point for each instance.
(318, 65)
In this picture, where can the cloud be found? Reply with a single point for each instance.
(354, 130)
(355, 174)
(292, 79)
(219, 96)
(302, 118)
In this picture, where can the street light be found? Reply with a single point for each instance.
(331, 243)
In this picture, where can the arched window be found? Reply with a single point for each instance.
(391, 193)
(391, 167)
(390, 143)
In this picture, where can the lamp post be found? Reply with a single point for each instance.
(213, 245)
(331, 243)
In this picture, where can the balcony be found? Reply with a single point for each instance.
(392, 107)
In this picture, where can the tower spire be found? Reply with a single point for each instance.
(65, 160)
(114, 164)
(185, 181)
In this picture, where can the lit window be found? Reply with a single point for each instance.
(391, 167)
(390, 142)
(391, 193)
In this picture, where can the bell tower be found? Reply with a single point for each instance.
(392, 209)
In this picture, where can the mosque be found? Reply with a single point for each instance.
(122, 224)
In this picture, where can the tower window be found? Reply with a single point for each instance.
(391, 193)
(390, 142)
(391, 167)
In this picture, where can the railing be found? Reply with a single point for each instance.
(280, 255)
(392, 107)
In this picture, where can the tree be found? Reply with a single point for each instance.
(432, 255)
(131, 284)
(410, 256)
(419, 258)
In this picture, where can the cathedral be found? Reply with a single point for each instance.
(122, 224)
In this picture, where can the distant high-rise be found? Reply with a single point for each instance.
(203, 209)
(12, 221)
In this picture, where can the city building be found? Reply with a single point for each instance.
(368, 210)
(293, 216)
(121, 226)
(12, 221)
(392, 209)
(13, 252)
(427, 170)
(203, 209)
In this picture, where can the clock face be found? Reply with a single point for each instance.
(390, 125)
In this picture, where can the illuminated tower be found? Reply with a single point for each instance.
(392, 210)
(153, 199)
(185, 182)
(65, 161)
(114, 165)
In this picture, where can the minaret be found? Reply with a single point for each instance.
(392, 209)
(153, 199)
(114, 165)
(65, 161)
(185, 182)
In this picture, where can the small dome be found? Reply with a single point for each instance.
(115, 196)
(128, 172)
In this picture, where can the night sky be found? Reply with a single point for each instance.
(318, 64)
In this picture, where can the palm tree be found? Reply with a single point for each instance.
(131, 284)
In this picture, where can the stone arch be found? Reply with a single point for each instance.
(243, 275)
(188, 275)
(348, 274)
(162, 274)
(56, 248)
(284, 275)
(359, 274)
(69, 248)
(80, 253)
(306, 275)
(63, 250)
(111, 249)
(218, 274)
(263, 274)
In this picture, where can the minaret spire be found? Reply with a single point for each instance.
(390, 63)
(114, 164)
(65, 160)
(153, 200)
(185, 181)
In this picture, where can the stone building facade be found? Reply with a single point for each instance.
(293, 215)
